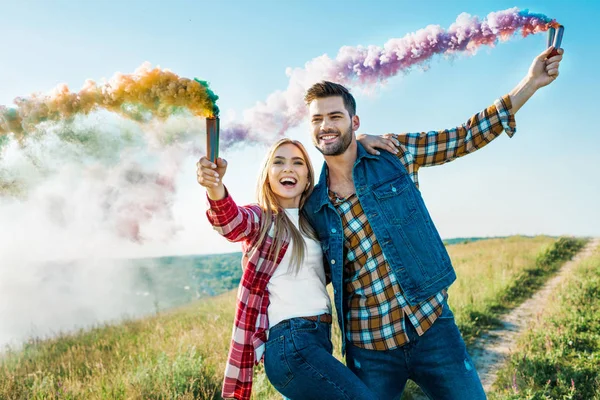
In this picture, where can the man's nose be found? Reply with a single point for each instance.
(325, 125)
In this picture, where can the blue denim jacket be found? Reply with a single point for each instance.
(398, 216)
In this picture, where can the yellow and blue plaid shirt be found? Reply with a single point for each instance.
(375, 303)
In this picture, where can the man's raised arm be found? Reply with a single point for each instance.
(439, 147)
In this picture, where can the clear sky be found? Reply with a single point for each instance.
(543, 181)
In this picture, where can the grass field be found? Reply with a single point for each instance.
(181, 353)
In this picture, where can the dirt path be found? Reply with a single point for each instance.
(492, 349)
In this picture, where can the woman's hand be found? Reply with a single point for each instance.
(386, 142)
(210, 175)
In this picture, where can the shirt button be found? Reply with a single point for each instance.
(333, 230)
(393, 189)
(332, 262)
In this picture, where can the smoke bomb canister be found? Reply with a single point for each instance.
(212, 138)
(551, 34)
(557, 40)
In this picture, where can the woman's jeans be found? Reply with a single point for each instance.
(300, 365)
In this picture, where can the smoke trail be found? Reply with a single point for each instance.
(60, 126)
(136, 161)
(62, 123)
(148, 92)
(364, 67)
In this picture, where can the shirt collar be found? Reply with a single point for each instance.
(322, 188)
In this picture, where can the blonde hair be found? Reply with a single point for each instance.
(269, 203)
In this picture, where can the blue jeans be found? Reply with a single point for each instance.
(437, 361)
(300, 365)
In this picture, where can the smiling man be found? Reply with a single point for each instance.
(389, 268)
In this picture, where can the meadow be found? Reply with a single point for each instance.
(180, 353)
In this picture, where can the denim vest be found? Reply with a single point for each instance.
(401, 223)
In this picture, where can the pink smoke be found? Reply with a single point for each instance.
(362, 67)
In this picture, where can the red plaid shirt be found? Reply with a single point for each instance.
(242, 224)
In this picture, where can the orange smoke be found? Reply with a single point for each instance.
(148, 92)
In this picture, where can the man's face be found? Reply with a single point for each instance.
(332, 127)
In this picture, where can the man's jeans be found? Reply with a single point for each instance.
(299, 363)
(437, 361)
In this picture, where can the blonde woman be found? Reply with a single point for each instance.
(283, 313)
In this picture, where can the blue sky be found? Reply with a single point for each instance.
(543, 181)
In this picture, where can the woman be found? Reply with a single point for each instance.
(283, 309)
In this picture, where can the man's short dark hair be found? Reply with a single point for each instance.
(325, 89)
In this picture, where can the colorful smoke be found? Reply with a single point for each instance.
(147, 93)
(363, 67)
(141, 153)
(44, 135)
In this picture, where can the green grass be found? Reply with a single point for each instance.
(491, 285)
(180, 354)
(559, 356)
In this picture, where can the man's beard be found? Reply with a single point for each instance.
(340, 145)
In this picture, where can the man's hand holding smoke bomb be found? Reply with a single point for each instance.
(542, 72)
(544, 69)
(210, 175)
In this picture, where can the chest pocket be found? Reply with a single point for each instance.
(396, 200)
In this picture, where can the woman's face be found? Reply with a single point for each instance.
(288, 175)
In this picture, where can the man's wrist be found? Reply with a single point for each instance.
(522, 92)
(529, 86)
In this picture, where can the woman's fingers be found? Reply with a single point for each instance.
(207, 175)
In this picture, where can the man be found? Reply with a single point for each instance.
(389, 268)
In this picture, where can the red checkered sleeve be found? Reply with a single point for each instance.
(233, 222)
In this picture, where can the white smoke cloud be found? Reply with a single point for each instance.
(84, 196)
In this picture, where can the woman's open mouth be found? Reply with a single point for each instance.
(288, 182)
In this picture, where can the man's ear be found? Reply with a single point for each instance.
(355, 123)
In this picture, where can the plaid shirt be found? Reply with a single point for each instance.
(425, 149)
(376, 305)
(242, 224)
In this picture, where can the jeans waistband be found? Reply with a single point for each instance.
(323, 318)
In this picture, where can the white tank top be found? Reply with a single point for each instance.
(298, 295)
